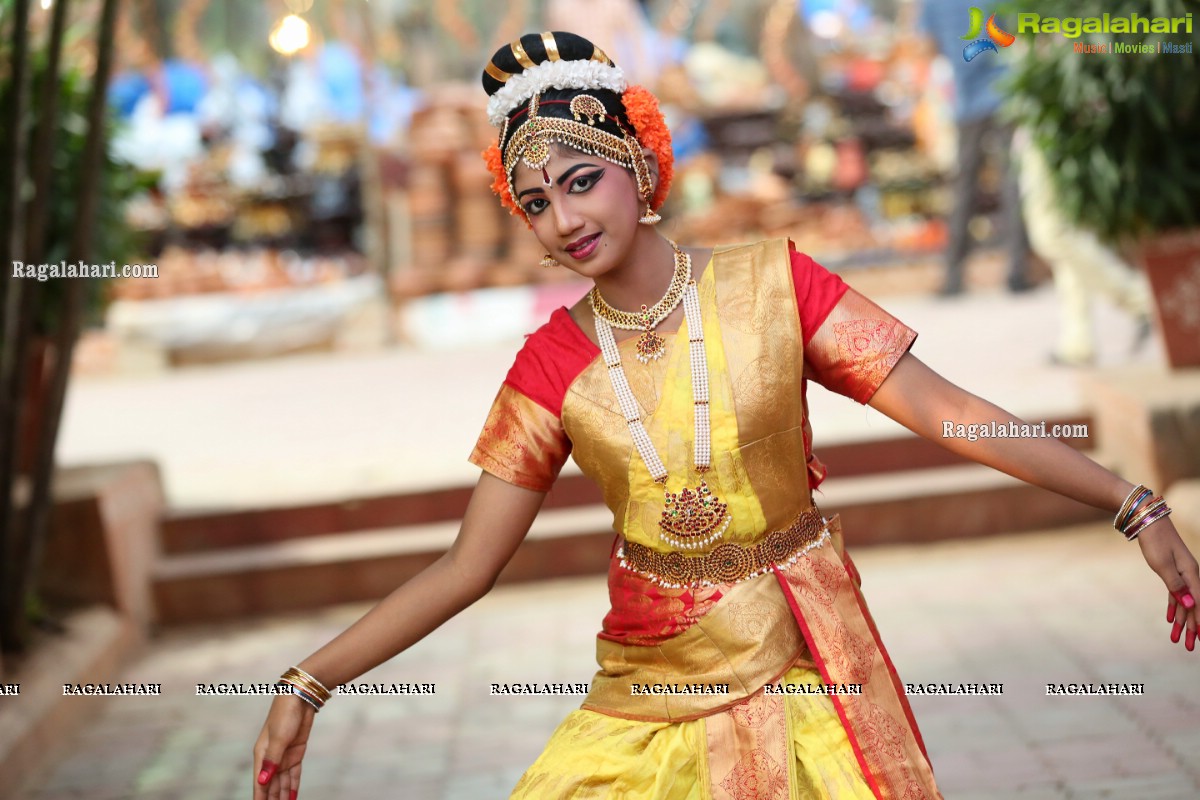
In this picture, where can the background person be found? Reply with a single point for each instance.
(980, 134)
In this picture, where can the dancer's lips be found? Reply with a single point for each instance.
(582, 248)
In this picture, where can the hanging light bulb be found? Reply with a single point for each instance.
(290, 35)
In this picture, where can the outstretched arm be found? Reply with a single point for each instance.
(920, 400)
(498, 516)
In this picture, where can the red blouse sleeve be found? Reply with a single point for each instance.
(850, 343)
(817, 292)
(521, 443)
(523, 440)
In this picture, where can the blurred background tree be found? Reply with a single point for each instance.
(63, 200)
(1118, 130)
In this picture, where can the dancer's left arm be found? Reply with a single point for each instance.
(921, 399)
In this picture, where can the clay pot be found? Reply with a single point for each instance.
(1172, 263)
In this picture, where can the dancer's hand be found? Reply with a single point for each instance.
(279, 748)
(1168, 556)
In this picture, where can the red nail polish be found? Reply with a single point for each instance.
(1170, 611)
(268, 770)
(1188, 601)
(292, 796)
(1176, 631)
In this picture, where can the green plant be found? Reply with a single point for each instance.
(75, 212)
(1119, 131)
(113, 240)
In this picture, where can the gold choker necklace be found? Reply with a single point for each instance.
(650, 346)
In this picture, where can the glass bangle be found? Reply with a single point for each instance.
(1132, 500)
(1142, 512)
(1161, 513)
(303, 695)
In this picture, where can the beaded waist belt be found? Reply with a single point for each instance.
(728, 562)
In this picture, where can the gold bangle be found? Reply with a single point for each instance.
(299, 677)
(314, 687)
(309, 677)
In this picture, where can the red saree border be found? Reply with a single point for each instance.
(887, 659)
(823, 595)
(825, 676)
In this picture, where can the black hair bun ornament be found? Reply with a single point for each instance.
(538, 62)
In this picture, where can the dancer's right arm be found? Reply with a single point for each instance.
(498, 516)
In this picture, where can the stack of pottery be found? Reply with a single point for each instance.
(437, 138)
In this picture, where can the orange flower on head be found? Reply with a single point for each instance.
(495, 164)
(641, 106)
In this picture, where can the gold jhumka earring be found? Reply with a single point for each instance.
(651, 217)
(548, 261)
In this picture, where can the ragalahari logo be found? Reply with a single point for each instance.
(996, 36)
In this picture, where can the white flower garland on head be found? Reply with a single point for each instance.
(552, 74)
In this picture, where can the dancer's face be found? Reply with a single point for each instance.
(587, 218)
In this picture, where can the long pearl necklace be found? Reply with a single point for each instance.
(696, 517)
(650, 345)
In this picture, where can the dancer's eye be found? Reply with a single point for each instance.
(579, 185)
(584, 183)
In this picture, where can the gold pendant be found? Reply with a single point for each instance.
(692, 519)
(650, 347)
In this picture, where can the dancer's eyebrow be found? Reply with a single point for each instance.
(561, 178)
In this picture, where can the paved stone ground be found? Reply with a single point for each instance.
(1063, 606)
